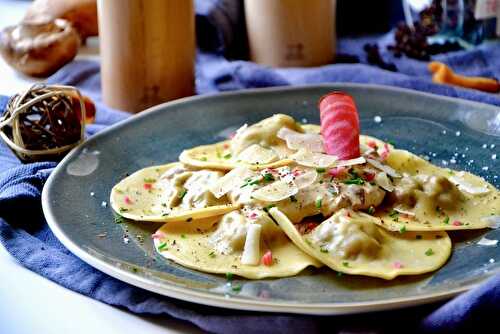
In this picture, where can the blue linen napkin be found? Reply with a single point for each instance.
(25, 234)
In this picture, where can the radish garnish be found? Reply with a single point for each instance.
(338, 171)
(339, 125)
(267, 258)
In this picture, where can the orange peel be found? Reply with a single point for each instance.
(443, 74)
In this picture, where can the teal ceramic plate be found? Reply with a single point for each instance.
(452, 132)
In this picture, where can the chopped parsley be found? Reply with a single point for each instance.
(320, 170)
(250, 182)
(371, 210)
(355, 180)
(149, 180)
(119, 219)
(211, 254)
(123, 210)
(339, 274)
(236, 288)
(229, 277)
(429, 252)
(183, 236)
(227, 156)
(318, 202)
(323, 250)
(268, 177)
(162, 246)
(345, 264)
(203, 159)
(256, 181)
(402, 229)
(393, 214)
(182, 193)
(446, 220)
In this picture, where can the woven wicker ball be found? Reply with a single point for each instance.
(44, 122)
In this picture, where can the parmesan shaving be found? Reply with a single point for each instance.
(296, 140)
(351, 162)
(276, 191)
(387, 169)
(487, 242)
(313, 159)
(494, 221)
(229, 181)
(365, 149)
(382, 180)
(240, 130)
(251, 250)
(306, 179)
(256, 154)
(467, 187)
(173, 171)
(404, 212)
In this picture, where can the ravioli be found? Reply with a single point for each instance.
(429, 198)
(215, 245)
(350, 242)
(256, 147)
(469, 205)
(219, 156)
(167, 193)
(270, 202)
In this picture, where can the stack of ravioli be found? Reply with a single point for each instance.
(269, 203)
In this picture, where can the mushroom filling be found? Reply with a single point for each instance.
(347, 236)
(424, 193)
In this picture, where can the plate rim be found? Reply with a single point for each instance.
(235, 302)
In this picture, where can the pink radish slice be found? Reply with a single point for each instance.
(339, 125)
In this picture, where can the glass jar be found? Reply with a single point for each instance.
(448, 20)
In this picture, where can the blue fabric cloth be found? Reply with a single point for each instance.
(25, 234)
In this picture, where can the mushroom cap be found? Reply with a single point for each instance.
(39, 48)
(82, 14)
